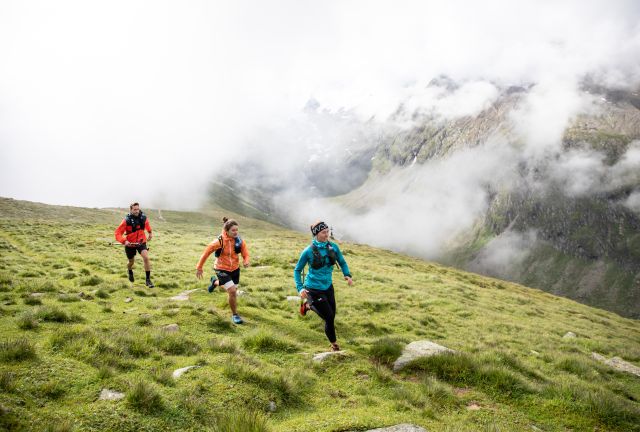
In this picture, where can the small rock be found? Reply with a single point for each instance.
(293, 298)
(323, 356)
(107, 394)
(178, 372)
(400, 428)
(569, 335)
(272, 406)
(171, 328)
(184, 296)
(535, 353)
(36, 294)
(473, 407)
(242, 293)
(416, 350)
(128, 300)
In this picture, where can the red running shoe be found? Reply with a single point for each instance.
(304, 308)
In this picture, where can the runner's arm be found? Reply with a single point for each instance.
(119, 232)
(297, 272)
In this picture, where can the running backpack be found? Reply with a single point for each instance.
(237, 247)
(135, 223)
(318, 261)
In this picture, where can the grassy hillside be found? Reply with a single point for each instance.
(60, 348)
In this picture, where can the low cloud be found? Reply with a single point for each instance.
(503, 254)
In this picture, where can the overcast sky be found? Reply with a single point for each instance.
(102, 103)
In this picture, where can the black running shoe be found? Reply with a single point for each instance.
(212, 286)
(149, 283)
(131, 276)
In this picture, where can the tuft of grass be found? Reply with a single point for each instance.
(90, 281)
(575, 366)
(32, 301)
(105, 372)
(16, 350)
(219, 324)
(460, 369)
(237, 420)
(144, 320)
(598, 404)
(51, 390)
(174, 344)
(7, 381)
(163, 376)
(262, 341)
(439, 394)
(68, 298)
(9, 421)
(278, 385)
(27, 321)
(145, 398)
(54, 314)
(102, 293)
(385, 351)
(63, 426)
(222, 346)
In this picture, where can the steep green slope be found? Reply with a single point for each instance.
(60, 348)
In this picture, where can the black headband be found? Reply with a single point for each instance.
(318, 227)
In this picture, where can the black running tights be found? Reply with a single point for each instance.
(324, 304)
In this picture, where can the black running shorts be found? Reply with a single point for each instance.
(228, 278)
(131, 251)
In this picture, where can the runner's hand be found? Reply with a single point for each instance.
(150, 236)
(126, 243)
(246, 264)
(303, 294)
(349, 280)
(199, 273)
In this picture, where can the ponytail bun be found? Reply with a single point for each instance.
(224, 219)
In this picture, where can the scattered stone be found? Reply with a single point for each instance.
(325, 355)
(569, 335)
(272, 406)
(171, 328)
(178, 372)
(36, 294)
(128, 300)
(242, 293)
(293, 298)
(535, 353)
(107, 394)
(184, 296)
(618, 363)
(418, 349)
(473, 407)
(400, 428)
(535, 428)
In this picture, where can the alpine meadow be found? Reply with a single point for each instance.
(74, 328)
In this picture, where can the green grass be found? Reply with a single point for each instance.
(59, 349)
(16, 351)
(144, 397)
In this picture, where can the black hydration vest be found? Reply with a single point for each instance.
(319, 261)
(237, 247)
(135, 223)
